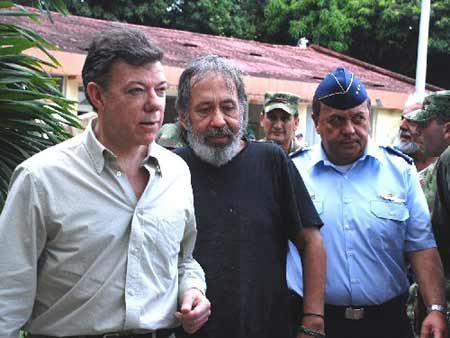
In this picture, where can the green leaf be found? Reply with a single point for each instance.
(33, 112)
(6, 4)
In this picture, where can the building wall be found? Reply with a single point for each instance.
(385, 125)
(385, 122)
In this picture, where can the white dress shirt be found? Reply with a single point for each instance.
(81, 255)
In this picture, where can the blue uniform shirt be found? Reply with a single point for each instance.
(373, 212)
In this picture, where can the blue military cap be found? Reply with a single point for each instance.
(341, 89)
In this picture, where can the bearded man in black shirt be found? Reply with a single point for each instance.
(249, 200)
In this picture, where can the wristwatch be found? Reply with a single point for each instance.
(437, 307)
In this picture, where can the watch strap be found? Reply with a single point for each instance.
(437, 307)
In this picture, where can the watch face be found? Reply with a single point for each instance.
(441, 308)
(437, 307)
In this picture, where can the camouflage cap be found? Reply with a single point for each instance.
(169, 136)
(434, 105)
(285, 101)
(341, 89)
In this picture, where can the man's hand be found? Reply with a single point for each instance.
(194, 311)
(434, 325)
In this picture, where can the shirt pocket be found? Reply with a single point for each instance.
(389, 229)
(168, 243)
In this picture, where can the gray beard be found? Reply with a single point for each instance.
(214, 155)
(408, 147)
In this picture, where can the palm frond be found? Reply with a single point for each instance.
(33, 113)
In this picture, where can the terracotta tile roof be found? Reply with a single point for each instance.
(73, 33)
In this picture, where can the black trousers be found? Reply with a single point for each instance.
(164, 333)
(368, 328)
(388, 320)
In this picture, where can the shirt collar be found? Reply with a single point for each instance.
(97, 151)
(374, 151)
(319, 155)
(94, 148)
(155, 157)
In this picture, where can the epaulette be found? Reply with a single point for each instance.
(299, 151)
(397, 152)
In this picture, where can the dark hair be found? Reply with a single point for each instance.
(198, 69)
(119, 43)
(316, 106)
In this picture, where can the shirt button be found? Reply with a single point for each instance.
(355, 280)
(347, 227)
(118, 173)
(350, 253)
(131, 292)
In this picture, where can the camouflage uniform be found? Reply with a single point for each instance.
(436, 184)
(170, 136)
(295, 145)
(441, 213)
(428, 183)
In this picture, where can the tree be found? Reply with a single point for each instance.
(439, 43)
(219, 17)
(238, 18)
(381, 32)
(323, 22)
(386, 34)
(33, 112)
(144, 12)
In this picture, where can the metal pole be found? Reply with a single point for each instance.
(421, 67)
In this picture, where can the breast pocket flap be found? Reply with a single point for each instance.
(389, 210)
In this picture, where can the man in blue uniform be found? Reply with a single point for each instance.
(374, 213)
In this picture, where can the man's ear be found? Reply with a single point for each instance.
(261, 119)
(183, 119)
(296, 121)
(315, 119)
(95, 94)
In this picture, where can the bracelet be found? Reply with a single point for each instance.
(306, 314)
(311, 332)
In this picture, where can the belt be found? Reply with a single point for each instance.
(393, 307)
(163, 333)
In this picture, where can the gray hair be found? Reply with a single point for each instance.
(119, 43)
(203, 66)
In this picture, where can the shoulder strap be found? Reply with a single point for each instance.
(394, 151)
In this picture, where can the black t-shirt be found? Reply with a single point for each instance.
(246, 210)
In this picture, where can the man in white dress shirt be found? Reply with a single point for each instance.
(97, 232)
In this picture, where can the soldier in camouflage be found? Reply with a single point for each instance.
(171, 136)
(279, 119)
(411, 143)
(433, 123)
